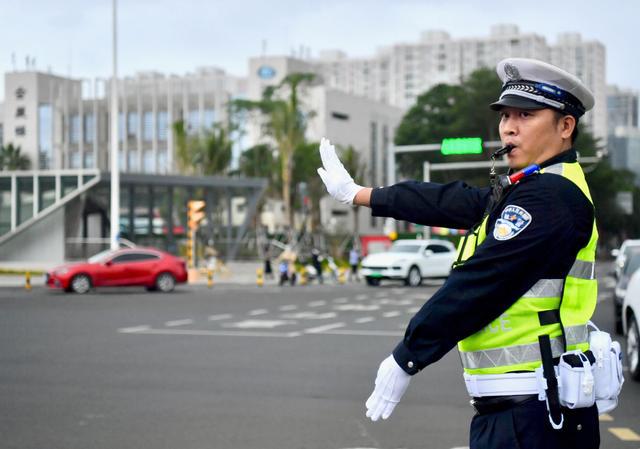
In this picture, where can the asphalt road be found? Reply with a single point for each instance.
(231, 367)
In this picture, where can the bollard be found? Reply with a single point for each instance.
(209, 278)
(342, 275)
(259, 277)
(27, 280)
(303, 276)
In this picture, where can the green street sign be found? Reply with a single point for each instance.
(461, 145)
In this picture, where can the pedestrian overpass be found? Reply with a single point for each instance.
(56, 215)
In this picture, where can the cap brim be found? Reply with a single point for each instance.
(512, 101)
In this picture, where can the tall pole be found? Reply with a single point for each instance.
(115, 169)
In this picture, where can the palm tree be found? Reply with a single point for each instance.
(12, 159)
(206, 154)
(285, 123)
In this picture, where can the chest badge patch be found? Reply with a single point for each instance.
(513, 220)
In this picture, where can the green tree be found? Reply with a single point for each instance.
(11, 158)
(206, 153)
(285, 122)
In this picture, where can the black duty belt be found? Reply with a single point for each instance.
(494, 404)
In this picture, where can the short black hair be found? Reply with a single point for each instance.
(574, 135)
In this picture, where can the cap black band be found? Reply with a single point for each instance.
(569, 103)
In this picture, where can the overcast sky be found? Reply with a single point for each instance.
(74, 36)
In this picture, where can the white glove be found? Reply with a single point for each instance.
(391, 383)
(339, 183)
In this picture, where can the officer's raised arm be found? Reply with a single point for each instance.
(454, 205)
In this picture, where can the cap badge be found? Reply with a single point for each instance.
(512, 72)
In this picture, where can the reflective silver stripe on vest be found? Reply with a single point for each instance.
(545, 288)
(556, 169)
(576, 334)
(515, 355)
(583, 270)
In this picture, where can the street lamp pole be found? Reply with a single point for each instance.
(115, 169)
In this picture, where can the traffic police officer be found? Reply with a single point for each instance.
(523, 287)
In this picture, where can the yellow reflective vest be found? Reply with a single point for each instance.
(559, 308)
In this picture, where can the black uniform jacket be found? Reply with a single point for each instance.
(500, 271)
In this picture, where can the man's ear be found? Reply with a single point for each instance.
(567, 124)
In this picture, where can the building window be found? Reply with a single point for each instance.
(132, 125)
(21, 131)
(147, 127)
(121, 127)
(148, 162)
(20, 112)
(88, 160)
(89, 128)
(74, 129)
(163, 166)
(74, 161)
(163, 124)
(45, 136)
(133, 161)
(20, 93)
(209, 118)
(193, 121)
(340, 116)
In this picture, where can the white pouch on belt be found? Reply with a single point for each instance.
(607, 369)
(576, 380)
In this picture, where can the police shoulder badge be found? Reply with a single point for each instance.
(513, 220)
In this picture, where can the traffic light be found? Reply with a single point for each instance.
(461, 145)
(195, 214)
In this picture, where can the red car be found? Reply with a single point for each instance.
(148, 267)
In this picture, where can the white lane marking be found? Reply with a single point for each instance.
(340, 300)
(391, 314)
(356, 307)
(364, 319)
(363, 332)
(361, 297)
(460, 447)
(394, 302)
(132, 330)
(288, 307)
(175, 323)
(399, 291)
(222, 316)
(322, 329)
(381, 294)
(413, 309)
(309, 315)
(258, 312)
(217, 333)
(258, 324)
(317, 303)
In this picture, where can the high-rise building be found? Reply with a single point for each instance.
(397, 74)
(622, 108)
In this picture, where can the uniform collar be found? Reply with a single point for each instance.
(568, 156)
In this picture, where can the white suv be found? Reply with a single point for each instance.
(411, 261)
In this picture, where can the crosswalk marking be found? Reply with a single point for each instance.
(317, 303)
(223, 316)
(364, 319)
(288, 307)
(321, 329)
(258, 312)
(624, 433)
(131, 330)
(391, 314)
(175, 323)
